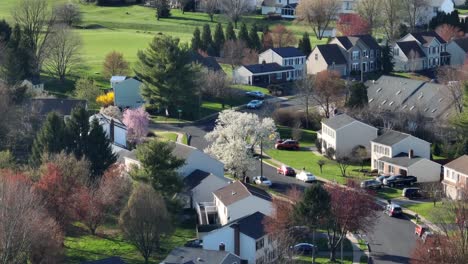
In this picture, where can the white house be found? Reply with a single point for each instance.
(392, 143)
(246, 238)
(262, 74)
(285, 8)
(456, 178)
(286, 56)
(115, 130)
(127, 93)
(188, 255)
(432, 7)
(344, 133)
(200, 186)
(458, 49)
(407, 164)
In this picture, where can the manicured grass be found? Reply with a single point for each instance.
(185, 139)
(364, 259)
(171, 136)
(248, 88)
(388, 193)
(164, 119)
(424, 209)
(362, 245)
(307, 137)
(306, 159)
(324, 260)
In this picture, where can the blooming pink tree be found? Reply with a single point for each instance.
(137, 121)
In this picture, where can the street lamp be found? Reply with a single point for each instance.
(362, 68)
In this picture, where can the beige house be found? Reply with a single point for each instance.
(327, 57)
(458, 49)
(456, 177)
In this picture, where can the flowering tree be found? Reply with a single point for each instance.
(352, 24)
(235, 136)
(105, 99)
(137, 121)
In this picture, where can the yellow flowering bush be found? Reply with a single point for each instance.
(105, 99)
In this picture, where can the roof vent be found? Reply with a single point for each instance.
(433, 110)
(391, 103)
(378, 90)
(420, 96)
(384, 101)
(370, 100)
(373, 81)
(441, 99)
(200, 260)
(399, 92)
(233, 193)
(412, 107)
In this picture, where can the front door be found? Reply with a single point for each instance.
(364, 67)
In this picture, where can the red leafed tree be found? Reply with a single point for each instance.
(351, 210)
(137, 121)
(352, 24)
(449, 32)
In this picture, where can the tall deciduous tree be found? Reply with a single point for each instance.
(145, 220)
(63, 52)
(68, 13)
(86, 89)
(306, 90)
(352, 24)
(233, 51)
(218, 39)
(209, 7)
(318, 14)
(449, 32)
(282, 37)
(392, 11)
(414, 11)
(304, 44)
(369, 10)
(216, 85)
(137, 122)
(50, 139)
(235, 9)
(329, 90)
(159, 167)
(171, 85)
(115, 64)
(230, 34)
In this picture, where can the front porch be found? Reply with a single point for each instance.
(207, 213)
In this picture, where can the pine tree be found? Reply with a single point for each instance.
(358, 97)
(219, 40)
(304, 44)
(77, 128)
(5, 31)
(99, 150)
(49, 140)
(230, 34)
(169, 77)
(206, 40)
(196, 40)
(254, 39)
(17, 59)
(244, 35)
(162, 9)
(387, 60)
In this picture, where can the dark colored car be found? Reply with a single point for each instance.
(412, 193)
(195, 243)
(381, 178)
(287, 144)
(286, 171)
(393, 181)
(304, 248)
(371, 184)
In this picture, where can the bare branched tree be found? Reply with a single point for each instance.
(216, 85)
(63, 54)
(209, 7)
(68, 13)
(329, 90)
(392, 13)
(318, 14)
(306, 90)
(414, 10)
(115, 64)
(282, 37)
(370, 11)
(453, 80)
(233, 51)
(235, 9)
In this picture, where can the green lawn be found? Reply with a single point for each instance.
(324, 260)
(171, 136)
(307, 137)
(389, 193)
(424, 209)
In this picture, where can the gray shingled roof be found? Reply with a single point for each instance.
(185, 255)
(462, 43)
(402, 160)
(426, 37)
(411, 49)
(61, 106)
(237, 191)
(252, 225)
(332, 54)
(338, 121)
(391, 137)
(288, 52)
(460, 164)
(267, 67)
(183, 151)
(195, 178)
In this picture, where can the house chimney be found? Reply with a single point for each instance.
(236, 239)
(111, 130)
(222, 247)
(410, 154)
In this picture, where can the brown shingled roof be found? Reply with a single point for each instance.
(460, 164)
(237, 191)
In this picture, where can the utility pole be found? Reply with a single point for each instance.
(261, 157)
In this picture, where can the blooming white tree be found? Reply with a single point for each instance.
(235, 136)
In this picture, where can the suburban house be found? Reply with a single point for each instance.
(458, 49)
(208, 62)
(115, 130)
(456, 177)
(33, 85)
(356, 53)
(285, 8)
(348, 6)
(397, 153)
(200, 185)
(194, 159)
(63, 107)
(245, 237)
(394, 94)
(432, 7)
(263, 74)
(286, 56)
(419, 51)
(127, 92)
(190, 255)
(344, 133)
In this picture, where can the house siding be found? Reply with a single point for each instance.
(247, 206)
(269, 56)
(453, 183)
(204, 191)
(458, 55)
(128, 94)
(315, 66)
(420, 147)
(424, 170)
(241, 75)
(202, 161)
(353, 135)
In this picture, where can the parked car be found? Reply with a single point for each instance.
(381, 178)
(393, 210)
(262, 180)
(194, 243)
(304, 249)
(255, 104)
(305, 176)
(412, 193)
(286, 171)
(393, 181)
(287, 144)
(256, 94)
(371, 184)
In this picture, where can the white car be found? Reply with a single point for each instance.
(256, 94)
(305, 176)
(262, 180)
(254, 104)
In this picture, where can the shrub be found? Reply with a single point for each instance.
(318, 145)
(330, 153)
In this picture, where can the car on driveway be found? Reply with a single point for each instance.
(371, 184)
(305, 176)
(262, 180)
(412, 193)
(255, 104)
(393, 181)
(286, 171)
(287, 144)
(381, 178)
(256, 94)
(304, 249)
(393, 210)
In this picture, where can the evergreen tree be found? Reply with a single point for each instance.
(218, 41)
(254, 39)
(169, 77)
(244, 35)
(77, 132)
(230, 34)
(99, 150)
(196, 40)
(163, 9)
(16, 64)
(387, 60)
(304, 44)
(49, 140)
(206, 40)
(358, 97)
(5, 31)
